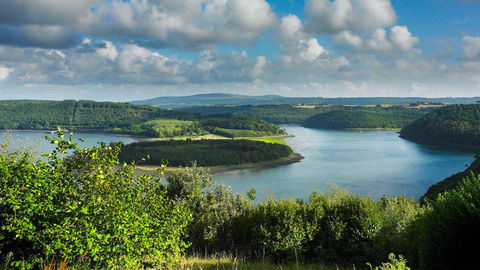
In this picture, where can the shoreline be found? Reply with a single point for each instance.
(293, 158)
(46, 131)
(355, 129)
(218, 170)
(453, 146)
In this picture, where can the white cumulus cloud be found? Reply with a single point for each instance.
(326, 16)
(290, 28)
(402, 38)
(345, 37)
(310, 50)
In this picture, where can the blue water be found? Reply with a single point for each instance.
(371, 163)
(37, 139)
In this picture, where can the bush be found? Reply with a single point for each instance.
(444, 237)
(394, 264)
(85, 208)
(279, 227)
(215, 209)
(348, 227)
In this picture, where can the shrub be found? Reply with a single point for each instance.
(394, 264)
(280, 228)
(444, 237)
(348, 228)
(85, 208)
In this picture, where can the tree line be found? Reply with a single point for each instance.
(453, 124)
(203, 152)
(121, 118)
(323, 116)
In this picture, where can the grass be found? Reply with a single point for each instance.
(226, 263)
(152, 169)
(267, 139)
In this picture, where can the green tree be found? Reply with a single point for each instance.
(85, 207)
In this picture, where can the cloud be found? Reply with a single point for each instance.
(325, 16)
(187, 24)
(471, 47)
(259, 66)
(39, 36)
(398, 38)
(310, 50)
(290, 28)
(402, 38)
(345, 37)
(110, 51)
(4, 71)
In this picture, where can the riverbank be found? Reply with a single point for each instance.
(218, 170)
(52, 132)
(455, 146)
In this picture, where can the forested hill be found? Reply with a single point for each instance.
(449, 125)
(79, 115)
(123, 118)
(372, 117)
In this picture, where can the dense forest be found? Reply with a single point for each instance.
(451, 182)
(365, 117)
(121, 118)
(317, 116)
(203, 152)
(93, 214)
(277, 114)
(453, 124)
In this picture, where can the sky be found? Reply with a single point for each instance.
(122, 50)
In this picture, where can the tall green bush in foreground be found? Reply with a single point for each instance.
(85, 208)
(447, 235)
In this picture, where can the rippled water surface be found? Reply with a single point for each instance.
(370, 163)
(367, 163)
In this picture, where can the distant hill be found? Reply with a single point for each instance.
(456, 125)
(231, 99)
(371, 117)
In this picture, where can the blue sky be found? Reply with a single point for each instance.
(129, 50)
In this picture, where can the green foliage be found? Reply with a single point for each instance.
(204, 152)
(239, 133)
(336, 227)
(322, 116)
(394, 264)
(453, 124)
(122, 118)
(165, 128)
(214, 208)
(362, 117)
(85, 207)
(217, 123)
(445, 237)
(279, 227)
(82, 115)
(347, 228)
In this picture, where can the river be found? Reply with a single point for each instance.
(371, 163)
